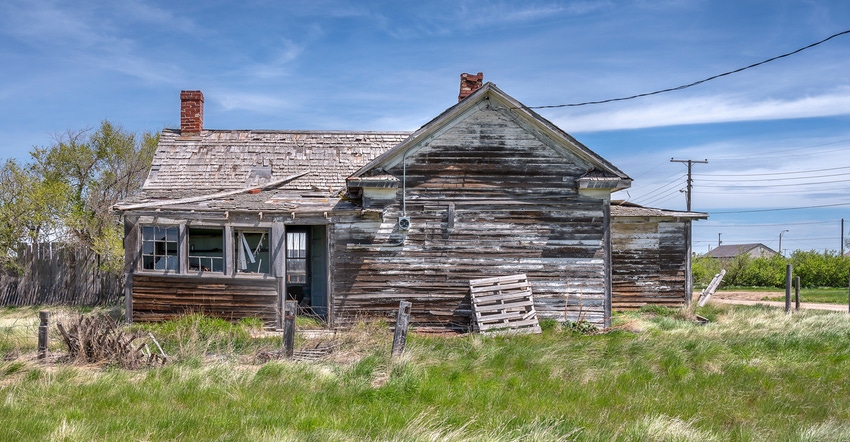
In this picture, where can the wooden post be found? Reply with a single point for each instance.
(797, 293)
(848, 290)
(289, 310)
(788, 288)
(44, 318)
(401, 323)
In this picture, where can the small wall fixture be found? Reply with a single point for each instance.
(403, 223)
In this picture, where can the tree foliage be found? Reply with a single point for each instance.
(815, 269)
(67, 190)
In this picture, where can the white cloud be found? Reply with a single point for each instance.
(704, 110)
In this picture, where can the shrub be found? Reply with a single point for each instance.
(815, 269)
(704, 268)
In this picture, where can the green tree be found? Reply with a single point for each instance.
(30, 209)
(77, 180)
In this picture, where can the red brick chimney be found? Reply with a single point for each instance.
(469, 83)
(191, 112)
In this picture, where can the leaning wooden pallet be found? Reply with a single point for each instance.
(503, 304)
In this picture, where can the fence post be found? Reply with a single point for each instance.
(401, 323)
(44, 318)
(788, 288)
(797, 293)
(848, 291)
(289, 310)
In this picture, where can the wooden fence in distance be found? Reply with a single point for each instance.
(54, 274)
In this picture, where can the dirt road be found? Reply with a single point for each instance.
(753, 298)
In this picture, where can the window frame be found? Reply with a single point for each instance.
(200, 269)
(177, 255)
(237, 246)
(304, 242)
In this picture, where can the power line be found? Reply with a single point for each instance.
(685, 86)
(782, 209)
(753, 180)
(711, 175)
(791, 149)
(751, 186)
(664, 187)
(801, 223)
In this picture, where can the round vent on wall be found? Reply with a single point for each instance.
(403, 223)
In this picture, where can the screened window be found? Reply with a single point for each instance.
(206, 249)
(296, 257)
(160, 248)
(252, 251)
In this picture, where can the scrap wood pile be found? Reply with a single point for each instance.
(101, 339)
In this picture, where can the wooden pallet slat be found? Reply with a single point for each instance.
(503, 305)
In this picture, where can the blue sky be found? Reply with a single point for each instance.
(777, 137)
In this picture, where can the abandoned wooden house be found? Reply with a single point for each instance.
(233, 222)
(651, 251)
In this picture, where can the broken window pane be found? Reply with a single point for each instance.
(206, 249)
(160, 248)
(252, 251)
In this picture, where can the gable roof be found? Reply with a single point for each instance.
(601, 173)
(733, 250)
(215, 160)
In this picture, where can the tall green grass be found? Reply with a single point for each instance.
(753, 373)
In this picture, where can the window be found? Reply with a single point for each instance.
(296, 257)
(160, 248)
(206, 249)
(252, 251)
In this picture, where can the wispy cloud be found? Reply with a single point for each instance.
(704, 110)
(447, 18)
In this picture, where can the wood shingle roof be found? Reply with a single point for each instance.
(233, 159)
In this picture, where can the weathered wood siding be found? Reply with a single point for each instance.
(486, 198)
(160, 297)
(649, 262)
(54, 274)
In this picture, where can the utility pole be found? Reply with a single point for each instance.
(842, 236)
(690, 164)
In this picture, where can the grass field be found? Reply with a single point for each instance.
(816, 295)
(751, 374)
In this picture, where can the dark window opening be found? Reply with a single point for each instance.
(206, 249)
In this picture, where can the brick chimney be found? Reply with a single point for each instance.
(191, 112)
(469, 83)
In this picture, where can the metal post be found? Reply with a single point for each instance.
(402, 321)
(797, 293)
(788, 288)
(289, 310)
(44, 318)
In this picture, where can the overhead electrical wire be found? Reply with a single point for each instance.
(801, 223)
(759, 180)
(752, 186)
(792, 149)
(710, 175)
(780, 209)
(695, 83)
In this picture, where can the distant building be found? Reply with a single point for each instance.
(729, 251)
